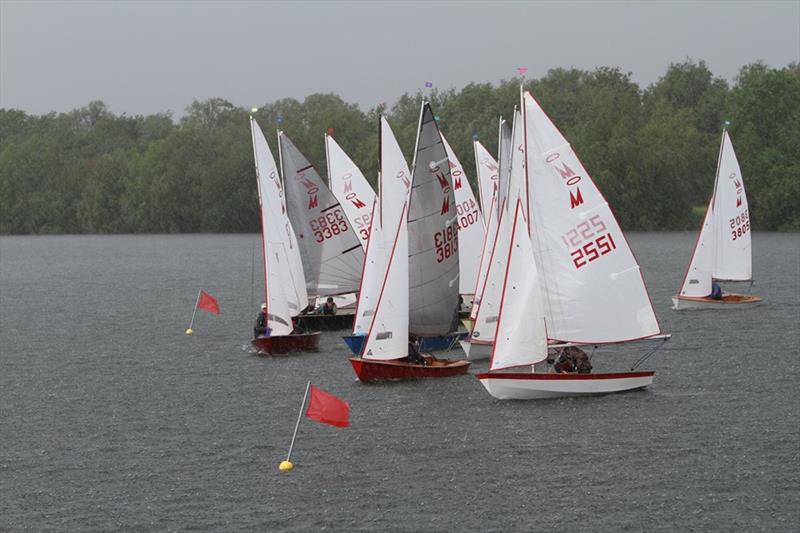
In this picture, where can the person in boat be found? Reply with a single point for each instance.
(261, 329)
(328, 308)
(296, 327)
(716, 291)
(573, 359)
(414, 356)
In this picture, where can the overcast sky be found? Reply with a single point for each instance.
(145, 57)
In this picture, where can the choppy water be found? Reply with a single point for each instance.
(112, 418)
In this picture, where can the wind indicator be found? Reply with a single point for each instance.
(254, 110)
(521, 71)
(279, 120)
(428, 84)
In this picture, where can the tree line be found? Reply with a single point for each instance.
(652, 152)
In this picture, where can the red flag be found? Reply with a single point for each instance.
(208, 303)
(326, 408)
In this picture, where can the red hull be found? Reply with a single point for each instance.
(283, 344)
(368, 370)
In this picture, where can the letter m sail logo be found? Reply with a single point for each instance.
(575, 198)
(312, 201)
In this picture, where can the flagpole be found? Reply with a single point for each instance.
(189, 330)
(287, 465)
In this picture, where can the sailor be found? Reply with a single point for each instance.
(329, 307)
(716, 291)
(414, 357)
(573, 359)
(261, 329)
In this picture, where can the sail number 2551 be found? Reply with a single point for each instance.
(588, 241)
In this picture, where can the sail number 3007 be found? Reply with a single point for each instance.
(328, 225)
(446, 242)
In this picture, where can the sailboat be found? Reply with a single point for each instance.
(487, 170)
(571, 278)
(471, 230)
(284, 281)
(723, 249)
(331, 254)
(390, 290)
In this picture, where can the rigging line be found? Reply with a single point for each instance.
(252, 274)
(647, 355)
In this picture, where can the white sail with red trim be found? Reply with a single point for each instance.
(351, 188)
(331, 253)
(521, 337)
(733, 256)
(486, 255)
(504, 150)
(433, 235)
(697, 282)
(471, 230)
(373, 274)
(593, 288)
(277, 244)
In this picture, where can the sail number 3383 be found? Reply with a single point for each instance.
(588, 241)
(328, 225)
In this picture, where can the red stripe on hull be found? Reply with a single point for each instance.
(367, 370)
(727, 298)
(565, 376)
(283, 344)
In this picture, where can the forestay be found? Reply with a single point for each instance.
(471, 230)
(521, 335)
(282, 296)
(594, 291)
(351, 188)
(433, 235)
(331, 253)
(487, 170)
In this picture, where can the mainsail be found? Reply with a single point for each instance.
(593, 288)
(332, 256)
(470, 225)
(283, 288)
(351, 188)
(433, 235)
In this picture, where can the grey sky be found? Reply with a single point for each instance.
(144, 57)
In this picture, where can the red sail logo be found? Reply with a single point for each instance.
(311, 189)
(446, 190)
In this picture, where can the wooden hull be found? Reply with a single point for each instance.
(315, 322)
(728, 301)
(426, 344)
(369, 370)
(531, 386)
(283, 344)
(477, 351)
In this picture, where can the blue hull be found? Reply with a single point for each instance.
(426, 344)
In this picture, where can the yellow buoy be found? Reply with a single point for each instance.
(285, 466)
(189, 331)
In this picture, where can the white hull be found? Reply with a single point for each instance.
(476, 351)
(542, 386)
(729, 301)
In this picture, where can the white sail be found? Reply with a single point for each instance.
(504, 149)
(594, 291)
(375, 261)
(331, 254)
(697, 282)
(521, 335)
(278, 281)
(395, 178)
(487, 170)
(388, 336)
(731, 219)
(351, 188)
(486, 255)
(485, 325)
(471, 230)
(433, 235)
